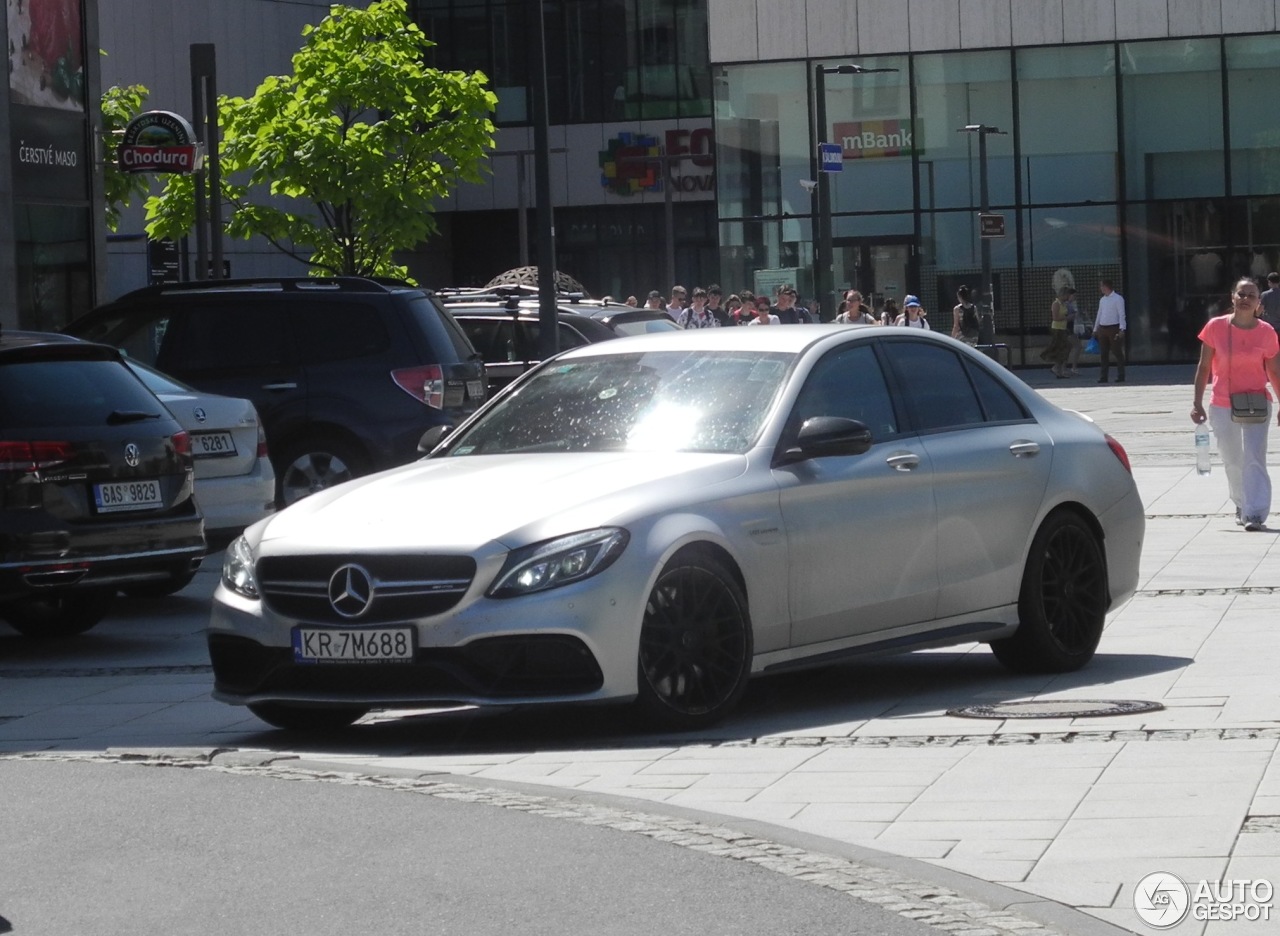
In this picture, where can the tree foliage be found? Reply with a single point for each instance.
(354, 147)
(119, 106)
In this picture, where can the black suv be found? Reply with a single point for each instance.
(96, 485)
(504, 324)
(346, 373)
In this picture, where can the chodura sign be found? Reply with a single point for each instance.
(159, 141)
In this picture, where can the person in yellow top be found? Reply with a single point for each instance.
(1059, 344)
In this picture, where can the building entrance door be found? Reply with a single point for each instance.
(880, 268)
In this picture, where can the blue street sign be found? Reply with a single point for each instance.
(830, 157)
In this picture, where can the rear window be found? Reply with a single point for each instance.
(438, 324)
(52, 394)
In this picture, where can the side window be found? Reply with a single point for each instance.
(140, 335)
(999, 404)
(233, 337)
(570, 338)
(338, 331)
(849, 383)
(933, 380)
(482, 333)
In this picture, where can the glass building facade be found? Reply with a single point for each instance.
(1155, 164)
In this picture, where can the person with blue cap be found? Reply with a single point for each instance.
(913, 314)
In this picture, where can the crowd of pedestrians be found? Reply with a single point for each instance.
(709, 307)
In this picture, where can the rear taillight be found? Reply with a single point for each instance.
(1120, 453)
(424, 384)
(181, 442)
(262, 442)
(33, 456)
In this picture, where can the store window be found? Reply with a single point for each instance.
(54, 275)
(1253, 75)
(870, 117)
(955, 90)
(1173, 143)
(762, 140)
(1067, 124)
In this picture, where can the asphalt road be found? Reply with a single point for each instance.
(110, 848)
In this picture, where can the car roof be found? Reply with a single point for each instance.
(20, 344)
(787, 338)
(303, 285)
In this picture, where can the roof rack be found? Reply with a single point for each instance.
(501, 293)
(299, 284)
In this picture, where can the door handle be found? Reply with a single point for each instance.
(904, 461)
(1024, 448)
(287, 385)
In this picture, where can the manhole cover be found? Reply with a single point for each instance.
(1063, 708)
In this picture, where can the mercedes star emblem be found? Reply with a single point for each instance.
(132, 455)
(351, 591)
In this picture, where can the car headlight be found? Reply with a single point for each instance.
(559, 561)
(237, 569)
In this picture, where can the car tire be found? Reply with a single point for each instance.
(175, 583)
(305, 717)
(314, 464)
(695, 648)
(1062, 606)
(57, 616)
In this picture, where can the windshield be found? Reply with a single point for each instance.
(668, 401)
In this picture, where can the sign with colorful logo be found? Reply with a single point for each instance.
(635, 163)
(159, 141)
(625, 167)
(869, 139)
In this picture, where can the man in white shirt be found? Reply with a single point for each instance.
(676, 308)
(1109, 328)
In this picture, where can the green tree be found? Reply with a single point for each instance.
(119, 106)
(354, 148)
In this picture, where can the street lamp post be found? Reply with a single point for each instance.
(986, 298)
(824, 253)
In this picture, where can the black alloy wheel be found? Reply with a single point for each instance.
(1063, 604)
(305, 717)
(695, 644)
(314, 465)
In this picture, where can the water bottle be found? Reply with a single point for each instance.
(1202, 448)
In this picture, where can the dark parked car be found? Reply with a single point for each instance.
(96, 483)
(505, 326)
(346, 373)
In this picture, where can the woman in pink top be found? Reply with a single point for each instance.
(1240, 350)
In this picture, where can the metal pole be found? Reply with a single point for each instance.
(988, 294)
(211, 154)
(668, 219)
(548, 331)
(197, 119)
(522, 187)
(823, 262)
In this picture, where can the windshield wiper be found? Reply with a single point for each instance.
(120, 417)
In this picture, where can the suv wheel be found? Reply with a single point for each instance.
(312, 465)
(57, 615)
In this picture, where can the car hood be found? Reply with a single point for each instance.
(460, 503)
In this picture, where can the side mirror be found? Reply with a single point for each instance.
(432, 437)
(825, 436)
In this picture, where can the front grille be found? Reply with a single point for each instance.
(493, 667)
(404, 587)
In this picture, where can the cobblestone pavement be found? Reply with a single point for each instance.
(1050, 819)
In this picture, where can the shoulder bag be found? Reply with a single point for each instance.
(1248, 406)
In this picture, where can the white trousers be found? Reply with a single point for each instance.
(1243, 448)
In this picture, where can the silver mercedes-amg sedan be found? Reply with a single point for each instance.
(659, 518)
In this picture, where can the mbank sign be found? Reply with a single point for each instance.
(159, 141)
(872, 138)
